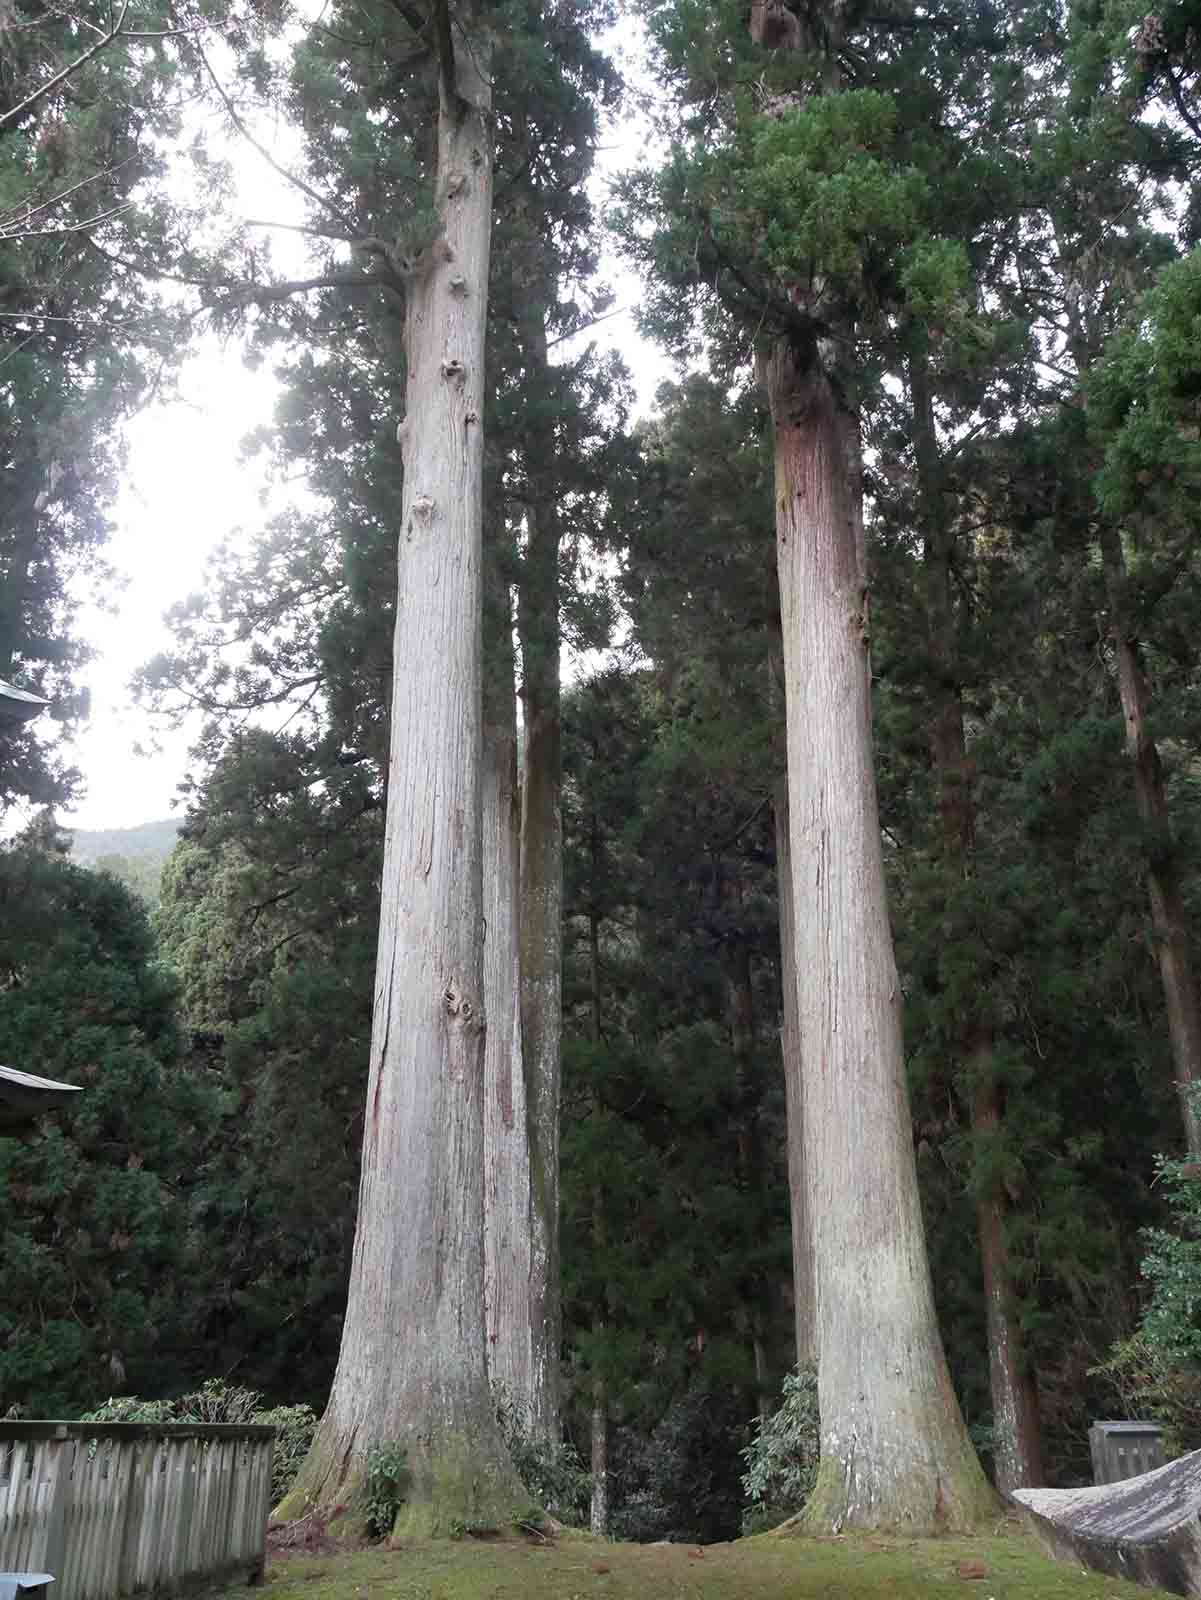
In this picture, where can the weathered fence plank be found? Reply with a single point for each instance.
(114, 1508)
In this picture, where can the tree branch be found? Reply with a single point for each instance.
(16, 231)
(248, 293)
(317, 198)
(1178, 97)
(72, 67)
(28, 212)
(586, 327)
(754, 296)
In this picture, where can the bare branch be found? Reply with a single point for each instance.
(300, 227)
(317, 198)
(1178, 97)
(140, 33)
(266, 293)
(72, 67)
(15, 231)
(586, 327)
(248, 292)
(28, 212)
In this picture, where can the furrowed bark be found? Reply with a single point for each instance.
(598, 1515)
(1017, 1456)
(803, 1284)
(541, 903)
(895, 1452)
(507, 1236)
(1017, 1426)
(751, 1161)
(1173, 946)
(411, 1367)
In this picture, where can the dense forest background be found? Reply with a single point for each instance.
(1002, 202)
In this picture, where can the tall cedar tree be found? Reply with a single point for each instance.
(825, 231)
(412, 1365)
(326, 608)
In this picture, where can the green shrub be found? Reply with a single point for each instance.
(1172, 1266)
(294, 1428)
(1157, 1373)
(781, 1459)
(681, 1482)
(1150, 1386)
(218, 1401)
(555, 1476)
(387, 1485)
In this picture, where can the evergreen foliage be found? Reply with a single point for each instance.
(991, 231)
(99, 1233)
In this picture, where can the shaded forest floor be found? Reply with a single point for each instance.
(1004, 1567)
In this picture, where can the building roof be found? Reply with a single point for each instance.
(18, 705)
(24, 1096)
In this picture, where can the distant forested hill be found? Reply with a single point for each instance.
(135, 855)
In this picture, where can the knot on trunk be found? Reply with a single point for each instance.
(1148, 37)
(458, 1005)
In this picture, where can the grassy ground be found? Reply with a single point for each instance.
(1004, 1567)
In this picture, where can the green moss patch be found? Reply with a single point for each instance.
(1007, 1566)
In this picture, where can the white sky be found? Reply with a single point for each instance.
(186, 491)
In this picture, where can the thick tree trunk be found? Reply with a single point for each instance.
(542, 936)
(598, 1518)
(1017, 1454)
(512, 1368)
(411, 1367)
(1173, 946)
(751, 1165)
(895, 1452)
(21, 515)
(803, 1284)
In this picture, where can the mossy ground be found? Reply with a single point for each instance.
(578, 1568)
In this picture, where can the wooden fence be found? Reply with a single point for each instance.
(115, 1507)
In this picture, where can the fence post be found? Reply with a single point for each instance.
(135, 1501)
(61, 1460)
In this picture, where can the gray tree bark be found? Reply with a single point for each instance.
(541, 903)
(804, 1288)
(1169, 920)
(598, 1512)
(894, 1449)
(412, 1362)
(512, 1367)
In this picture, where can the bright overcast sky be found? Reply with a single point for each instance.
(186, 491)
